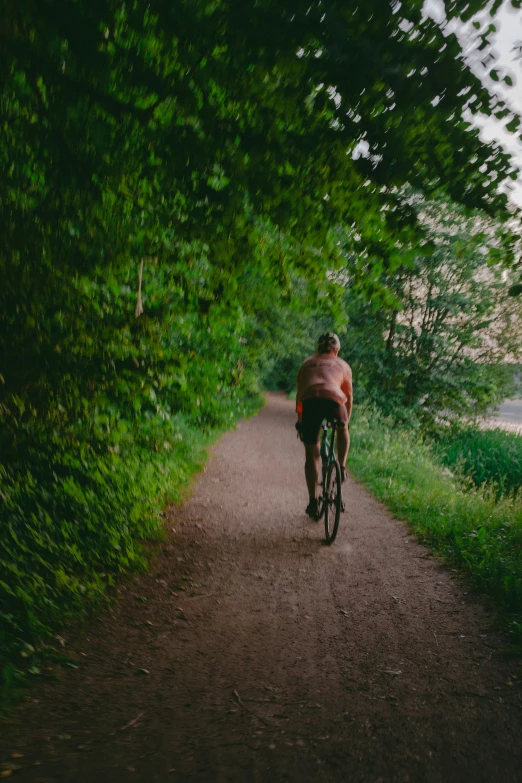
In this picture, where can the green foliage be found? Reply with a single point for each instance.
(128, 127)
(469, 526)
(104, 418)
(486, 456)
(75, 517)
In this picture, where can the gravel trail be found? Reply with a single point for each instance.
(252, 652)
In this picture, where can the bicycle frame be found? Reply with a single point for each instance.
(328, 456)
(327, 446)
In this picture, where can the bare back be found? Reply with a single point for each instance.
(325, 375)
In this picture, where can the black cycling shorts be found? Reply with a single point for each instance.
(315, 410)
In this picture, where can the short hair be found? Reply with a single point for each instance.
(328, 342)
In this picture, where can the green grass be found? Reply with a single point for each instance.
(468, 525)
(491, 457)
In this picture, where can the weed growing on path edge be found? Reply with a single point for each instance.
(468, 525)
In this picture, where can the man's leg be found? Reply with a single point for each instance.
(312, 469)
(343, 445)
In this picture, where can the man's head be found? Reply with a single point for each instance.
(328, 343)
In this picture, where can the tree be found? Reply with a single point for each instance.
(441, 352)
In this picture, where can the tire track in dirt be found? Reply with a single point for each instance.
(253, 652)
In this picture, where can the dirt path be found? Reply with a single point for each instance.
(253, 652)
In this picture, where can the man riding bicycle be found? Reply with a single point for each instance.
(324, 391)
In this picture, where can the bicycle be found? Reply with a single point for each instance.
(330, 502)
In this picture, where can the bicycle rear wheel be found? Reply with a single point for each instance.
(332, 503)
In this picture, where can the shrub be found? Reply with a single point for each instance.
(75, 516)
(486, 456)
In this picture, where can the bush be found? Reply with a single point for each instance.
(486, 456)
(74, 517)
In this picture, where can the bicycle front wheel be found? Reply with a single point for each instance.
(332, 503)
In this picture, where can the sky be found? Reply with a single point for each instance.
(508, 22)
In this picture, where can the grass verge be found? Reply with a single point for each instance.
(466, 524)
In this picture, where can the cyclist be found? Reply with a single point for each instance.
(324, 391)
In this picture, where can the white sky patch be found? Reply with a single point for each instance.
(332, 92)
(361, 150)
(435, 10)
(405, 25)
